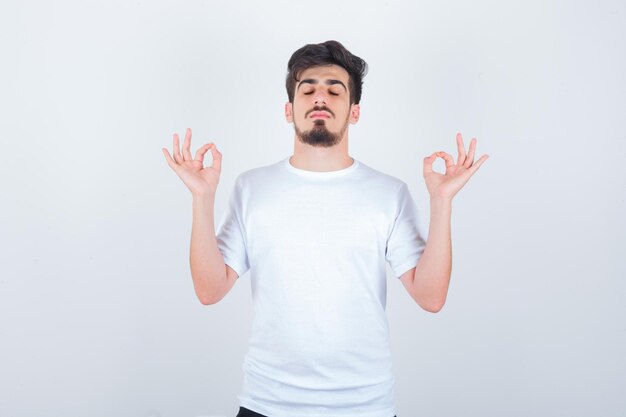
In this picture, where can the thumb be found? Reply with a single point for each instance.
(428, 163)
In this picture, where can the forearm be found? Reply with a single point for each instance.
(432, 273)
(207, 263)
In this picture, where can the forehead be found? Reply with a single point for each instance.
(326, 71)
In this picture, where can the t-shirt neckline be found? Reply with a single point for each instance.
(321, 174)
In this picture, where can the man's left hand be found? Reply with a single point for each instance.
(447, 185)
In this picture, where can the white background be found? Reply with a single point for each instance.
(98, 316)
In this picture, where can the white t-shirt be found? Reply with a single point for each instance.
(316, 245)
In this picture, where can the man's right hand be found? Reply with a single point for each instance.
(200, 180)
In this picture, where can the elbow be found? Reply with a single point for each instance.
(207, 298)
(431, 293)
(208, 291)
(433, 308)
(207, 301)
(432, 301)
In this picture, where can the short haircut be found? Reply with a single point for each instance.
(326, 53)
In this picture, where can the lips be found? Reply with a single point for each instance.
(320, 114)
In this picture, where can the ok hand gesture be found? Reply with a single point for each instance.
(199, 179)
(448, 184)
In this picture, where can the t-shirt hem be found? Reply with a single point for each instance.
(254, 406)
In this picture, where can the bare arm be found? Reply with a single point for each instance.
(212, 279)
(428, 282)
(432, 273)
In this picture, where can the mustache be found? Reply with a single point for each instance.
(317, 108)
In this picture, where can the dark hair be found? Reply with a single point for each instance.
(327, 53)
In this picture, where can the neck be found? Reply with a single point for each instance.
(321, 159)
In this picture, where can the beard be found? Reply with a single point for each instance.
(319, 135)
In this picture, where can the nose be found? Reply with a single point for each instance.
(320, 98)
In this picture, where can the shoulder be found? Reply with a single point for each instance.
(258, 175)
(381, 180)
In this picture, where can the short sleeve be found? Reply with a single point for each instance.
(230, 233)
(406, 243)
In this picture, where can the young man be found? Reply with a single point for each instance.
(315, 230)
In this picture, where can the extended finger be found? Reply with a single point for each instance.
(428, 163)
(461, 147)
(169, 159)
(176, 152)
(477, 164)
(187, 145)
(470, 155)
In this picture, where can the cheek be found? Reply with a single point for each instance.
(298, 110)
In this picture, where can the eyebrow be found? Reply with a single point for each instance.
(327, 82)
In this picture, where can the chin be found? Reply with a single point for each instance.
(319, 122)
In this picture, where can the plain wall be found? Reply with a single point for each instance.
(98, 316)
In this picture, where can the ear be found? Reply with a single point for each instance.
(355, 113)
(289, 112)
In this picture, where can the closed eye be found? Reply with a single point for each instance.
(331, 93)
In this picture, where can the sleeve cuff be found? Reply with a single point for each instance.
(405, 266)
(238, 267)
